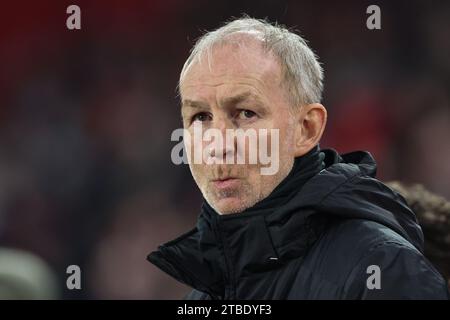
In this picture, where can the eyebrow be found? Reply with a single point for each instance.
(240, 98)
(194, 104)
(226, 101)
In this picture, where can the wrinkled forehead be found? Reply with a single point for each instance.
(240, 56)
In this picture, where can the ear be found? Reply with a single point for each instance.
(312, 119)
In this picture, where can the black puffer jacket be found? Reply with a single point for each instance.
(317, 245)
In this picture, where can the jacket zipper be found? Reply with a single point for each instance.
(229, 279)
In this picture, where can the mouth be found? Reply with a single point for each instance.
(226, 182)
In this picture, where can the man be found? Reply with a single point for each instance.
(321, 226)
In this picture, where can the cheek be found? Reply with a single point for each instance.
(285, 123)
(283, 142)
(260, 186)
(287, 138)
(198, 173)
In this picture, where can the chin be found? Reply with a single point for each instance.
(230, 205)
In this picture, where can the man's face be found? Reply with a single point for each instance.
(237, 88)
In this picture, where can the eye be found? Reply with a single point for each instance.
(201, 116)
(246, 114)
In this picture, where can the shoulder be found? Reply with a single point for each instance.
(346, 241)
(361, 236)
(358, 249)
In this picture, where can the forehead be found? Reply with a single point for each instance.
(231, 65)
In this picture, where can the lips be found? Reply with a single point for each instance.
(223, 183)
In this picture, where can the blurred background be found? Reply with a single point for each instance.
(86, 115)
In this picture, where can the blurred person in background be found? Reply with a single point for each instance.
(314, 228)
(25, 276)
(433, 213)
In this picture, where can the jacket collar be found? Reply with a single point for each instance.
(222, 249)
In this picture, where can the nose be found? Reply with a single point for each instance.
(220, 147)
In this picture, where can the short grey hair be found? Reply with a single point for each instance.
(302, 72)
